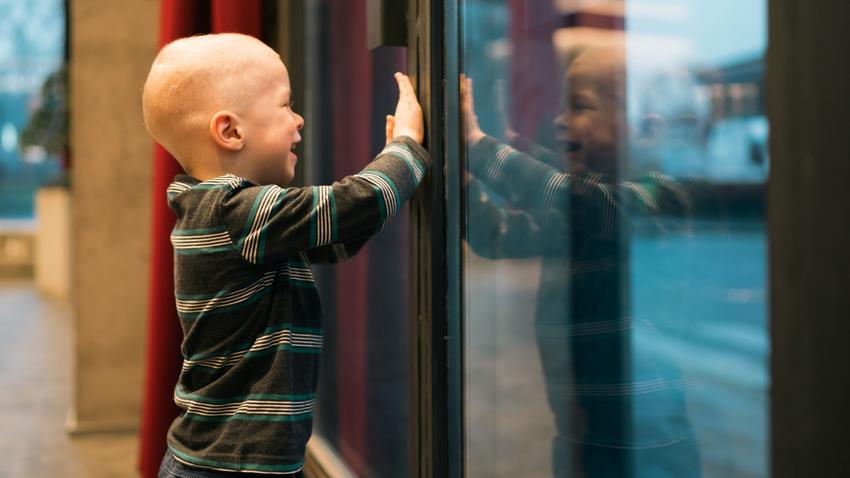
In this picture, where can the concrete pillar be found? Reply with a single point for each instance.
(112, 47)
(52, 262)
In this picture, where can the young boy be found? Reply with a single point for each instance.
(619, 408)
(243, 243)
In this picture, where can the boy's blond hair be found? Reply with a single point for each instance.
(190, 80)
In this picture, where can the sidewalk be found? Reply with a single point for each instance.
(35, 393)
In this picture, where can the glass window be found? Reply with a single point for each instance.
(614, 254)
(363, 410)
(33, 114)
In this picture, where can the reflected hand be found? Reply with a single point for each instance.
(390, 128)
(502, 103)
(407, 120)
(467, 108)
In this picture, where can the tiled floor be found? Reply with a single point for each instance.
(35, 391)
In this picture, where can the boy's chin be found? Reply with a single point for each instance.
(285, 180)
(579, 163)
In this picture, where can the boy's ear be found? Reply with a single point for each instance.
(651, 127)
(226, 131)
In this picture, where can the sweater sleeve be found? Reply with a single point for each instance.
(499, 231)
(526, 183)
(545, 192)
(538, 152)
(269, 224)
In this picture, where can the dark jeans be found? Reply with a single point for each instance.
(172, 468)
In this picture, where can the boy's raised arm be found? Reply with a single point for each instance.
(269, 224)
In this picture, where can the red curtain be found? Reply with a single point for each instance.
(178, 18)
(237, 16)
(535, 83)
(351, 95)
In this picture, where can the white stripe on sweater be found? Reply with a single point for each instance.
(199, 241)
(407, 156)
(323, 215)
(267, 202)
(495, 169)
(264, 342)
(389, 196)
(177, 188)
(246, 407)
(189, 306)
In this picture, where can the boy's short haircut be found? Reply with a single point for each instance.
(192, 78)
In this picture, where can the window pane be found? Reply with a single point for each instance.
(615, 272)
(32, 101)
(363, 410)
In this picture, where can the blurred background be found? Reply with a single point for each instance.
(71, 370)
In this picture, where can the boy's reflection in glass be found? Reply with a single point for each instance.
(619, 411)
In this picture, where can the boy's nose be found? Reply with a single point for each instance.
(560, 121)
(561, 124)
(300, 123)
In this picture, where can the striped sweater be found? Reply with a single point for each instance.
(609, 395)
(249, 308)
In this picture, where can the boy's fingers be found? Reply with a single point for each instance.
(390, 128)
(399, 78)
(402, 94)
(405, 87)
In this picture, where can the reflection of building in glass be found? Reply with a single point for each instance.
(738, 132)
(736, 89)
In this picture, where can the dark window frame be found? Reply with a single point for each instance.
(808, 236)
(436, 222)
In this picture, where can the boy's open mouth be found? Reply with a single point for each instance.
(569, 146)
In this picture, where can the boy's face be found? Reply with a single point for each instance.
(270, 125)
(592, 126)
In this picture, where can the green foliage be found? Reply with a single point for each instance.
(48, 125)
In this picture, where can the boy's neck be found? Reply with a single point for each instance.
(205, 172)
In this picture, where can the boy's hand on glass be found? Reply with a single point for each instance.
(407, 120)
(390, 128)
(502, 103)
(467, 106)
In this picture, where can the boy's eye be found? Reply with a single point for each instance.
(580, 105)
(581, 102)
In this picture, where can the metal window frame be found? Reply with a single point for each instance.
(427, 248)
(808, 236)
(436, 226)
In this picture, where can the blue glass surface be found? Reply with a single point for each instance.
(32, 39)
(615, 276)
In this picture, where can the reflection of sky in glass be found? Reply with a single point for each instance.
(670, 43)
(32, 42)
(715, 32)
(32, 35)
